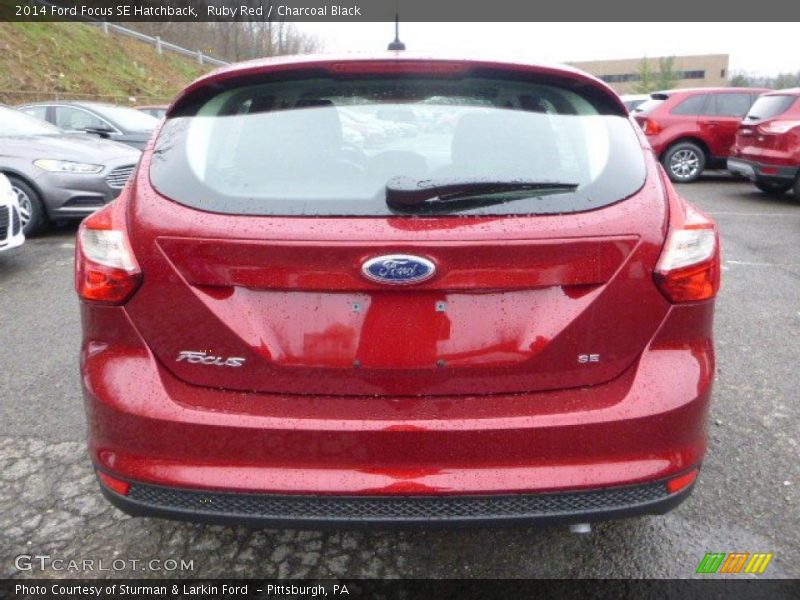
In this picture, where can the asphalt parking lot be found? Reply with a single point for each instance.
(746, 499)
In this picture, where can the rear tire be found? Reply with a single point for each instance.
(31, 207)
(797, 188)
(684, 162)
(773, 188)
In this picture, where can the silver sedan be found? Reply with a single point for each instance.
(57, 175)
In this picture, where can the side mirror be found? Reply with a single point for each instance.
(103, 132)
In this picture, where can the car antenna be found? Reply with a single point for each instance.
(396, 44)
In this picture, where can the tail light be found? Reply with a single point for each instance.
(114, 484)
(106, 271)
(651, 127)
(676, 484)
(778, 127)
(689, 267)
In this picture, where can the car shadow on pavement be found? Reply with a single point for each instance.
(10, 264)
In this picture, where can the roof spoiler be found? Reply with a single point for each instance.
(198, 93)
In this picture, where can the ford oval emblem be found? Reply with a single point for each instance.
(398, 269)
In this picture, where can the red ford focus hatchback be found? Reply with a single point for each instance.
(496, 310)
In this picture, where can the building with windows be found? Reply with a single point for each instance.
(705, 70)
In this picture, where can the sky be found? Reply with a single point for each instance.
(753, 47)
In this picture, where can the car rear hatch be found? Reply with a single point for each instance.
(250, 293)
(765, 126)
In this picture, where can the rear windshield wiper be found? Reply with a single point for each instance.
(409, 193)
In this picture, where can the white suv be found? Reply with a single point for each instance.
(11, 235)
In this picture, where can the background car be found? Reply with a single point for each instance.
(767, 147)
(11, 234)
(430, 333)
(370, 130)
(154, 110)
(693, 129)
(631, 101)
(117, 123)
(57, 175)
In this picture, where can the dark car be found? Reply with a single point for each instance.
(767, 147)
(693, 129)
(57, 175)
(281, 325)
(119, 123)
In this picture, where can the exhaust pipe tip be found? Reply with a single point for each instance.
(580, 528)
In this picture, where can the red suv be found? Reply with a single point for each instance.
(693, 129)
(283, 324)
(767, 148)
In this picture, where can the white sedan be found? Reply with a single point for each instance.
(11, 235)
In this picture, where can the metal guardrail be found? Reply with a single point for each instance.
(159, 44)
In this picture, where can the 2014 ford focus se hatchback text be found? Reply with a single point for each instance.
(393, 290)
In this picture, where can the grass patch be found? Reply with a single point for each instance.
(44, 61)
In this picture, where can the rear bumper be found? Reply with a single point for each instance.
(151, 429)
(755, 170)
(311, 511)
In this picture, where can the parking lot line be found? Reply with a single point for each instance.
(746, 263)
(753, 214)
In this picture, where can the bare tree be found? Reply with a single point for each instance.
(741, 79)
(235, 40)
(777, 82)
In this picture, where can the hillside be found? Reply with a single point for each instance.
(42, 61)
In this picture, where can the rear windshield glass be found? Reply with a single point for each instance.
(329, 146)
(647, 106)
(767, 107)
